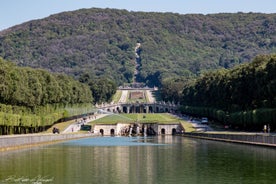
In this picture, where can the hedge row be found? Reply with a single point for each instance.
(7, 119)
(17, 120)
(248, 120)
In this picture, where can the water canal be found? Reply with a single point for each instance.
(147, 160)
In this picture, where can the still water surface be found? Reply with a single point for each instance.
(153, 160)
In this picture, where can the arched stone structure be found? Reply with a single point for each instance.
(174, 131)
(125, 109)
(102, 132)
(119, 129)
(150, 109)
(139, 107)
(112, 132)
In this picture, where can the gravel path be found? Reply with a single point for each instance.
(150, 97)
(123, 98)
(75, 127)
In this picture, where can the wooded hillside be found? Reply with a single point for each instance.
(244, 96)
(100, 42)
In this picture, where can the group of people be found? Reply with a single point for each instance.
(55, 130)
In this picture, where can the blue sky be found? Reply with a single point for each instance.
(15, 12)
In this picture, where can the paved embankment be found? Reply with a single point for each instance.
(75, 127)
(11, 142)
(151, 98)
(123, 97)
(244, 138)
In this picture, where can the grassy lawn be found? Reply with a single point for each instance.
(61, 126)
(188, 126)
(140, 118)
(160, 118)
(116, 97)
(112, 119)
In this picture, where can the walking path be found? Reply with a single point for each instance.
(200, 127)
(123, 98)
(75, 127)
(150, 97)
(197, 125)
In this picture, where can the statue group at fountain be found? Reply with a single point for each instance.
(135, 130)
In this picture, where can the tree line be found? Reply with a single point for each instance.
(30, 88)
(102, 88)
(243, 97)
(31, 100)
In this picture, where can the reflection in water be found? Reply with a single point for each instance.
(160, 159)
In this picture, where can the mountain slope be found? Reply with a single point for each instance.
(101, 42)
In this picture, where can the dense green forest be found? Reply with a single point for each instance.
(31, 100)
(245, 87)
(101, 42)
(29, 87)
(205, 62)
(244, 96)
(102, 88)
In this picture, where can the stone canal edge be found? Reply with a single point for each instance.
(14, 142)
(257, 139)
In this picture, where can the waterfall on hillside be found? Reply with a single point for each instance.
(137, 64)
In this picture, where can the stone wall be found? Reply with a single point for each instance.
(262, 139)
(105, 130)
(160, 129)
(13, 141)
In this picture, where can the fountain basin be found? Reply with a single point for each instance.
(123, 129)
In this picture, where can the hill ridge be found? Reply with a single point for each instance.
(100, 42)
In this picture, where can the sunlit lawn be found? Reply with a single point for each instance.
(116, 97)
(187, 126)
(140, 118)
(160, 118)
(61, 126)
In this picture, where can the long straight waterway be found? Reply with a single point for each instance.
(153, 160)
